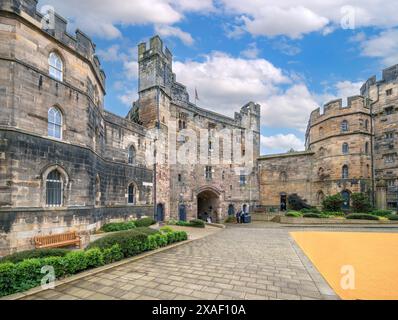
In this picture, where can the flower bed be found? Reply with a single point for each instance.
(27, 274)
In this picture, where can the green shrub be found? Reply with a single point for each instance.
(36, 253)
(7, 278)
(333, 214)
(313, 215)
(75, 262)
(24, 275)
(392, 217)
(230, 219)
(95, 258)
(112, 254)
(166, 229)
(144, 222)
(333, 203)
(310, 210)
(362, 216)
(131, 242)
(172, 222)
(183, 224)
(197, 223)
(118, 226)
(381, 213)
(294, 214)
(360, 203)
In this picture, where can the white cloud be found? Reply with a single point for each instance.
(288, 109)
(128, 97)
(225, 83)
(295, 18)
(111, 54)
(102, 18)
(383, 46)
(251, 52)
(281, 143)
(293, 22)
(169, 31)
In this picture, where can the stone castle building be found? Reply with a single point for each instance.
(349, 148)
(68, 164)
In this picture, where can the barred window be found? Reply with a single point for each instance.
(344, 126)
(131, 155)
(54, 123)
(242, 178)
(55, 66)
(345, 148)
(344, 173)
(54, 189)
(209, 172)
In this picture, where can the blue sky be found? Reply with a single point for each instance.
(289, 56)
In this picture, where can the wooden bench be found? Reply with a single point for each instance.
(57, 240)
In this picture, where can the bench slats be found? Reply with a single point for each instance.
(57, 240)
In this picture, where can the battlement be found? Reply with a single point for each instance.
(56, 26)
(388, 75)
(335, 107)
(251, 108)
(155, 47)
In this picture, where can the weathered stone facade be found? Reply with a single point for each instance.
(189, 139)
(91, 155)
(101, 166)
(349, 149)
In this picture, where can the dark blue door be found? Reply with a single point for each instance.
(346, 198)
(182, 213)
(160, 212)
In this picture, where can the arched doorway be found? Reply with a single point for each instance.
(283, 202)
(159, 212)
(346, 197)
(208, 205)
(182, 213)
(231, 210)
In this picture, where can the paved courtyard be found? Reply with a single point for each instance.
(240, 262)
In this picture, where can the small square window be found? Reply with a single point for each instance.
(389, 92)
(389, 110)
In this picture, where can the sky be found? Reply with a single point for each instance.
(290, 56)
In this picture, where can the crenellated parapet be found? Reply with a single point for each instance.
(56, 26)
(335, 107)
(389, 74)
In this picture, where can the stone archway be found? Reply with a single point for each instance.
(208, 205)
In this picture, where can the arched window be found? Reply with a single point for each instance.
(321, 131)
(344, 172)
(344, 126)
(366, 125)
(54, 189)
(97, 191)
(322, 151)
(54, 123)
(131, 155)
(345, 148)
(55, 66)
(131, 194)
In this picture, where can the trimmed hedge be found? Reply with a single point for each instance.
(334, 214)
(144, 222)
(310, 210)
(118, 226)
(313, 215)
(24, 275)
(294, 214)
(32, 254)
(362, 216)
(196, 223)
(392, 217)
(381, 213)
(131, 242)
